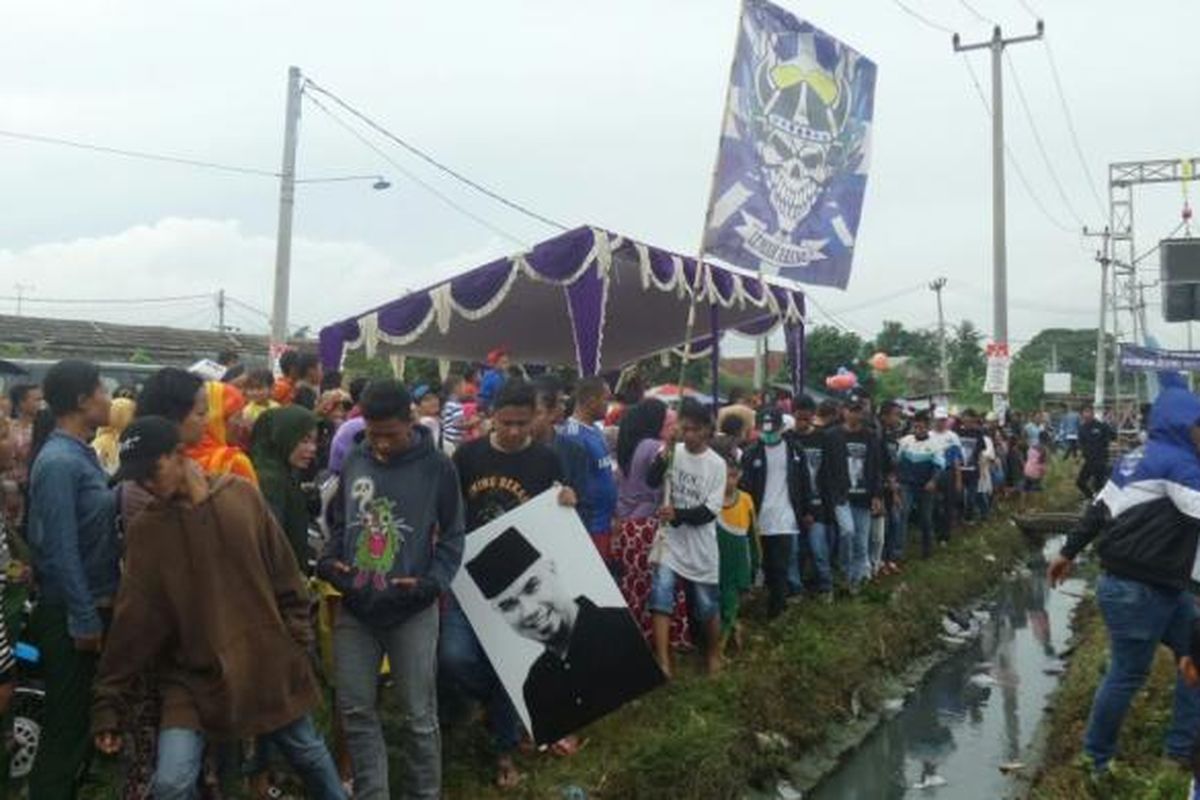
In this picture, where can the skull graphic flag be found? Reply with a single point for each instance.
(792, 169)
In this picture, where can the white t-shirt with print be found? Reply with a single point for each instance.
(696, 480)
(777, 517)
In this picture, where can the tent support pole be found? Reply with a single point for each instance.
(714, 321)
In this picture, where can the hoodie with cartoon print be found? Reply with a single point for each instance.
(392, 520)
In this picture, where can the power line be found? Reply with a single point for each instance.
(1066, 109)
(246, 306)
(834, 319)
(881, 299)
(1012, 159)
(924, 20)
(975, 13)
(406, 173)
(146, 156)
(1154, 249)
(310, 84)
(1029, 9)
(108, 300)
(1037, 138)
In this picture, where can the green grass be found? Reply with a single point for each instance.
(1140, 770)
(800, 677)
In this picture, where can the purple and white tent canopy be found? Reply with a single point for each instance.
(588, 297)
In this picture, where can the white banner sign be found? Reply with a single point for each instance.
(996, 381)
(1056, 383)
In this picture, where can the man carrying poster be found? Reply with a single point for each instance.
(594, 658)
(497, 473)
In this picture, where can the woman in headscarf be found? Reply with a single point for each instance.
(213, 452)
(641, 435)
(107, 440)
(282, 446)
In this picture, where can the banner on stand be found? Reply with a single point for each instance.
(1153, 359)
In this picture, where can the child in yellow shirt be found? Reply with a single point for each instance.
(737, 545)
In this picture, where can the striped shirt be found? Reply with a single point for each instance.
(452, 422)
(7, 660)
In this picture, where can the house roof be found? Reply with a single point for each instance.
(44, 338)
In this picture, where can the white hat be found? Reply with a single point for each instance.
(941, 413)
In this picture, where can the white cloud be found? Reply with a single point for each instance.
(180, 257)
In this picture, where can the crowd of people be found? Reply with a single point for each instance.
(212, 557)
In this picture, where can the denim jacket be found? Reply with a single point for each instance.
(72, 531)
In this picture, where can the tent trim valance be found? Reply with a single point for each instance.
(587, 264)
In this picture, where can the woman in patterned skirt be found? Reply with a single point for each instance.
(642, 432)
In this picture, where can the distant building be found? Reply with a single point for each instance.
(53, 339)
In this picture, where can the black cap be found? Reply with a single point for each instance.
(143, 443)
(770, 420)
(501, 562)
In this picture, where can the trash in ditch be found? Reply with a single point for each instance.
(983, 680)
(953, 642)
(771, 741)
(1011, 767)
(893, 705)
(784, 790)
(1054, 669)
(958, 624)
(929, 777)
(991, 559)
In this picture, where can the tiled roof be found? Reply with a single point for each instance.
(35, 337)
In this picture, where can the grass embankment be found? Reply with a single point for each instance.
(1140, 771)
(800, 677)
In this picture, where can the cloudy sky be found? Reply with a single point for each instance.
(600, 112)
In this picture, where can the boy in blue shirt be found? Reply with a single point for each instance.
(600, 500)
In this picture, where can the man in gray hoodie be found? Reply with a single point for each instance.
(396, 542)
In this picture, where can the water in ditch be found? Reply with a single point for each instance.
(976, 711)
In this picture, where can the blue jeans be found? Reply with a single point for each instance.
(463, 661)
(703, 599)
(915, 497)
(1138, 617)
(411, 648)
(854, 536)
(896, 534)
(181, 755)
(814, 544)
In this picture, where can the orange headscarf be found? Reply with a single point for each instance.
(213, 453)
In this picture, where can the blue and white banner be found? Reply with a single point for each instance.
(794, 150)
(1155, 359)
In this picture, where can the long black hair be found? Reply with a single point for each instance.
(638, 423)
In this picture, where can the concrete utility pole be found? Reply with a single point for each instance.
(1103, 258)
(287, 202)
(221, 311)
(937, 287)
(999, 247)
(21, 289)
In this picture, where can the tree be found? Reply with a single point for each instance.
(1075, 352)
(827, 348)
(919, 346)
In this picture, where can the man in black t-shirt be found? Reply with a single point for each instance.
(1094, 438)
(497, 473)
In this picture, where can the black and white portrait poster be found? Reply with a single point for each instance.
(551, 619)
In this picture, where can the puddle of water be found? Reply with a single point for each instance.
(975, 711)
